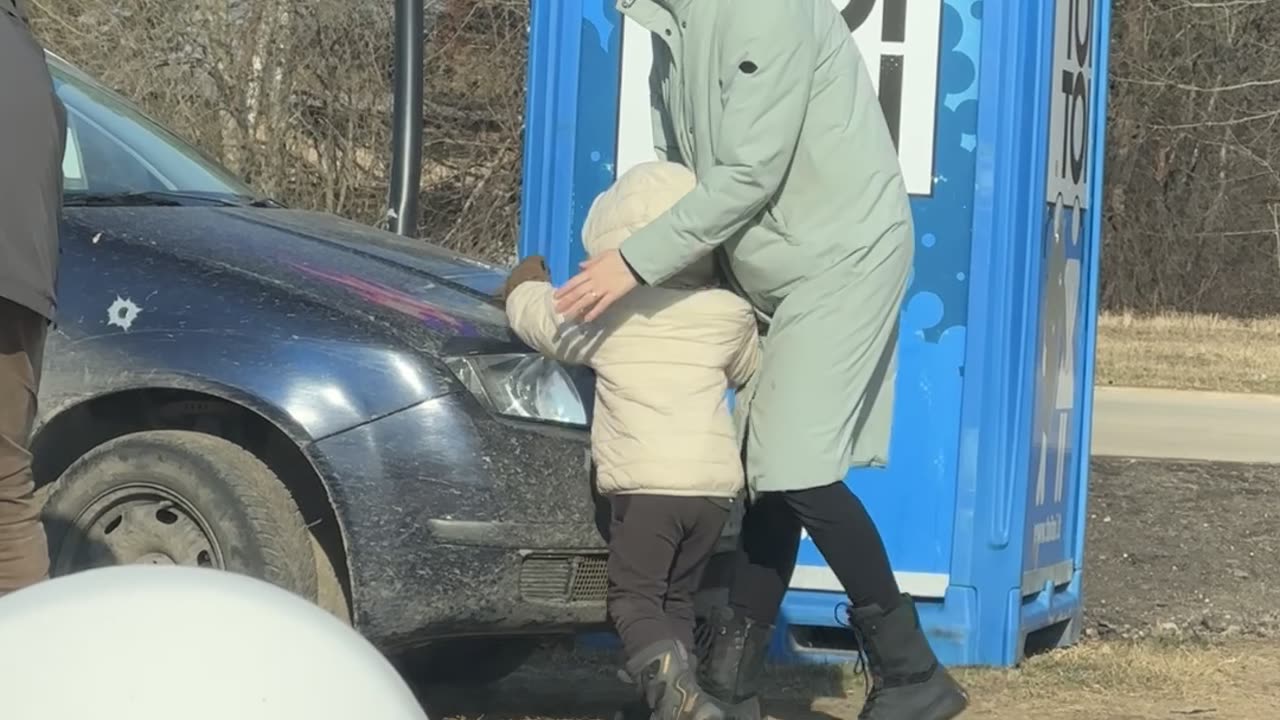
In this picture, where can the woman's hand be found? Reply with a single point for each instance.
(603, 280)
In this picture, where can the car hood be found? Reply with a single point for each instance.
(300, 271)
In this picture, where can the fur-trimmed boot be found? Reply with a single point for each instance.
(907, 681)
(731, 665)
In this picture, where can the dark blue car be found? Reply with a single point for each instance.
(289, 395)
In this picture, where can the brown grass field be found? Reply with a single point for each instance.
(1189, 352)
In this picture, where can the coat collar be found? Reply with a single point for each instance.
(672, 6)
(651, 12)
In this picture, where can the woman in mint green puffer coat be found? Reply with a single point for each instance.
(801, 199)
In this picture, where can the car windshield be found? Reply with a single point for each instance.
(117, 155)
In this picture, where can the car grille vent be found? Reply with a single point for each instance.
(564, 578)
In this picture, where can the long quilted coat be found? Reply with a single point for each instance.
(801, 197)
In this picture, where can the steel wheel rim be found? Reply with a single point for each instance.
(139, 523)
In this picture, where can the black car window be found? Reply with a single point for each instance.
(106, 164)
(113, 147)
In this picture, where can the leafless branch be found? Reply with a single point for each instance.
(295, 96)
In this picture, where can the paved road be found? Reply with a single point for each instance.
(1176, 424)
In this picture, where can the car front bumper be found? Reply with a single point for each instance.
(457, 523)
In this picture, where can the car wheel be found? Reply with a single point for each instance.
(329, 593)
(179, 498)
(465, 662)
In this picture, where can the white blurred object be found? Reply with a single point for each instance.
(147, 642)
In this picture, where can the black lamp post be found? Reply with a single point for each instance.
(406, 142)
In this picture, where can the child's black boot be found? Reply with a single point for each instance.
(668, 682)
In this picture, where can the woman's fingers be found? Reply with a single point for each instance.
(575, 283)
(578, 306)
(576, 295)
(603, 280)
(602, 303)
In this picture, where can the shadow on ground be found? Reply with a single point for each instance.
(585, 686)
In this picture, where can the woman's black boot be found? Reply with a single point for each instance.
(732, 662)
(908, 682)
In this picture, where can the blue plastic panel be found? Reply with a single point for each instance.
(983, 503)
(571, 124)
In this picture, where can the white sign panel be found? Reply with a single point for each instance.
(899, 40)
(635, 123)
(1070, 93)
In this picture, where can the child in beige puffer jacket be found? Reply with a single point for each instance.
(662, 435)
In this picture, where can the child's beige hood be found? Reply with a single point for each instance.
(642, 194)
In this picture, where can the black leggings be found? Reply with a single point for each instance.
(840, 527)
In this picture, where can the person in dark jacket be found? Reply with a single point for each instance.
(32, 138)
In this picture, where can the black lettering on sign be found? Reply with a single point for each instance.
(891, 93)
(1074, 88)
(895, 21)
(893, 30)
(857, 12)
(895, 17)
(1082, 42)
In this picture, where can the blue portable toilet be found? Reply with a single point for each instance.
(998, 109)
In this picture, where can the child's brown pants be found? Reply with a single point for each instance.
(659, 546)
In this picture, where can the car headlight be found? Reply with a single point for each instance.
(525, 386)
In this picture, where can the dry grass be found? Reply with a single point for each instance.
(1116, 681)
(1189, 352)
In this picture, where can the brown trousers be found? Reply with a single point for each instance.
(24, 552)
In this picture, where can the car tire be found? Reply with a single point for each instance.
(329, 591)
(465, 662)
(183, 498)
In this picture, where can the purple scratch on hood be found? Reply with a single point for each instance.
(390, 298)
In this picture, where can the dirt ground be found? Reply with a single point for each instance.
(1182, 621)
(1183, 549)
(1190, 352)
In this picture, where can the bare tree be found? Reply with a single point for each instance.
(295, 96)
(1194, 158)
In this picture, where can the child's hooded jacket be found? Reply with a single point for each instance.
(663, 356)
